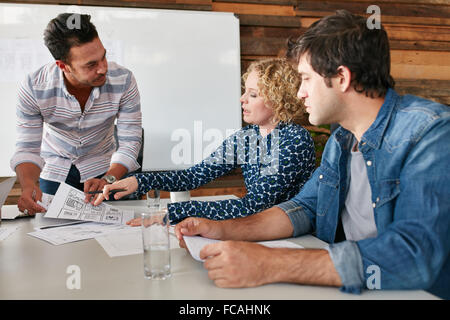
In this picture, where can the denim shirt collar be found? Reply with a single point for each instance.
(374, 135)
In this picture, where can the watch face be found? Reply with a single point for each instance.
(110, 179)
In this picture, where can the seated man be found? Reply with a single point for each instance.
(78, 98)
(380, 196)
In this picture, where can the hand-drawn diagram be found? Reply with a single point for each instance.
(68, 203)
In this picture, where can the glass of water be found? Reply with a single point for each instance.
(153, 200)
(155, 240)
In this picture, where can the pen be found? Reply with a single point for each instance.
(62, 225)
(111, 191)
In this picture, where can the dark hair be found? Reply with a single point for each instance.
(68, 30)
(343, 39)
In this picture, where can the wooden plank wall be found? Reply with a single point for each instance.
(419, 32)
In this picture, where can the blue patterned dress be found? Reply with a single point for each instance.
(274, 167)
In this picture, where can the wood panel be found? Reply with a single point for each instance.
(200, 5)
(415, 12)
(250, 8)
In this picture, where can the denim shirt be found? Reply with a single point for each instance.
(407, 155)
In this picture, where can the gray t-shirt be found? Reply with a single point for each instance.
(358, 218)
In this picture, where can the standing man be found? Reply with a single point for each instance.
(76, 99)
(380, 196)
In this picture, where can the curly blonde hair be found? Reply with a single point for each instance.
(278, 84)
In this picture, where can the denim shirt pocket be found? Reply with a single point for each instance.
(328, 181)
(388, 191)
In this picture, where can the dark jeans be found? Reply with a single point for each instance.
(73, 179)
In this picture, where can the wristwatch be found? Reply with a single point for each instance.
(109, 178)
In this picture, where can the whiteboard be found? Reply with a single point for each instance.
(186, 64)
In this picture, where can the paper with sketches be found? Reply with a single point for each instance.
(76, 232)
(195, 244)
(128, 242)
(46, 200)
(68, 203)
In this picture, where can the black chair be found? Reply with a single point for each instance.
(139, 160)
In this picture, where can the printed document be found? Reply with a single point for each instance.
(67, 233)
(68, 203)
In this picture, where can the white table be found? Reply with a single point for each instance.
(34, 269)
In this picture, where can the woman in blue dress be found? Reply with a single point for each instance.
(276, 155)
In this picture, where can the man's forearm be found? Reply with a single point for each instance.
(302, 266)
(269, 224)
(27, 174)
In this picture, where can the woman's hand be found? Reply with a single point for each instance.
(130, 184)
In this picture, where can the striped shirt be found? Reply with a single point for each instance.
(53, 133)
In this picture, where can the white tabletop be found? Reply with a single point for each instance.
(31, 268)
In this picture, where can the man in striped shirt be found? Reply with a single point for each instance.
(66, 113)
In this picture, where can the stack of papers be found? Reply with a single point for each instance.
(68, 203)
(91, 221)
(75, 232)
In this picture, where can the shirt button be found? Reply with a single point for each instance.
(374, 204)
(369, 163)
(321, 176)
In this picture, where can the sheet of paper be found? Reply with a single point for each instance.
(128, 242)
(76, 232)
(46, 200)
(10, 211)
(5, 232)
(195, 244)
(68, 203)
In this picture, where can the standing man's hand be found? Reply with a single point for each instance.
(116, 171)
(93, 184)
(27, 202)
(28, 175)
